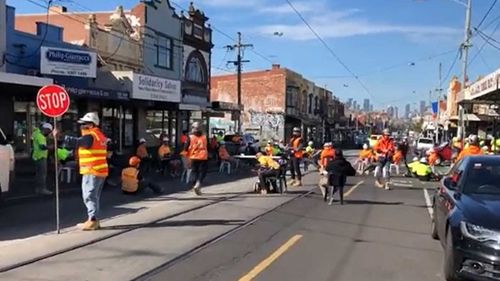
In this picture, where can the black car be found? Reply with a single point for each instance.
(467, 219)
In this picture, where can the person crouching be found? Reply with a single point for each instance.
(268, 168)
(133, 179)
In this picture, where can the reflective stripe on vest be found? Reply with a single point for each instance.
(93, 160)
(198, 147)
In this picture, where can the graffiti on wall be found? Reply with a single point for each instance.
(269, 125)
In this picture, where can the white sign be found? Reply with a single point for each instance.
(67, 62)
(484, 86)
(147, 87)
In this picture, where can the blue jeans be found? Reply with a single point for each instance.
(91, 193)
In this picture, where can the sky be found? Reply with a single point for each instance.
(394, 47)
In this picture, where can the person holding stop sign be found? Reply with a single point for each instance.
(92, 154)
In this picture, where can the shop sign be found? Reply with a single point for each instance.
(97, 93)
(67, 62)
(484, 86)
(154, 88)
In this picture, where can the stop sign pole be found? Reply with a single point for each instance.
(53, 101)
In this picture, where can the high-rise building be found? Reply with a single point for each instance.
(407, 111)
(358, 106)
(354, 105)
(349, 103)
(366, 105)
(371, 107)
(396, 112)
(423, 107)
(390, 111)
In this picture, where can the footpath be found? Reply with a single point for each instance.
(137, 235)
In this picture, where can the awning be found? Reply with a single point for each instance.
(226, 106)
(467, 117)
(19, 79)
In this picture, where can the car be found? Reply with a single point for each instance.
(360, 139)
(373, 140)
(248, 144)
(424, 144)
(6, 156)
(466, 219)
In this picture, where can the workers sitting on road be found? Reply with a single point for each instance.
(268, 168)
(164, 155)
(364, 159)
(143, 154)
(396, 160)
(412, 165)
(133, 179)
(423, 170)
(472, 148)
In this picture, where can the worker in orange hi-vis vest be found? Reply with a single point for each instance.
(296, 146)
(92, 159)
(197, 148)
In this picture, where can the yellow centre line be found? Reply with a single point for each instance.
(269, 260)
(353, 188)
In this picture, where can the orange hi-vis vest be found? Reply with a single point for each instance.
(269, 150)
(295, 145)
(93, 160)
(198, 147)
(326, 155)
(130, 182)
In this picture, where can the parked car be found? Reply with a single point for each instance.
(424, 144)
(466, 219)
(6, 156)
(360, 139)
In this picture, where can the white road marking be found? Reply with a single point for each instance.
(428, 202)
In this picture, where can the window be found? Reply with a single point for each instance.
(316, 105)
(163, 52)
(195, 69)
(310, 103)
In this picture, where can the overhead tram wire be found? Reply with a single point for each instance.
(487, 13)
(339, 60)
(452, 66)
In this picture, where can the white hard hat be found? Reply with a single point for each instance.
(386, 132)
(296, 129)
(310, 143)
(269, 141)
(47, 126)
(327, 144)
(142, 140)
(90, 117)
(423, 160)
(195, 125)
(415, 159)
(164, 139)
(365, 146)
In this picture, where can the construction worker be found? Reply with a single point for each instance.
(133, 180)
(385, 150)
(296, 154)
(39, 156)
(143, 154)
(269, 148)
(92, 157)
(433, 158)
(412, 165)
(423, 170)
(308, 155)
(197, 149)
(267, 168)
(224, 154)
(472, 149)
(365, 156)
(327, 155)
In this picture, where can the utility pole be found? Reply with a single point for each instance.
(238, 63)
(465, 56)
(439, 90)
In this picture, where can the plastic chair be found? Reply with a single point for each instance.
(394, 166)
(225, 165)
(66, 173)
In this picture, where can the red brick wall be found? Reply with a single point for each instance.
(263, 91)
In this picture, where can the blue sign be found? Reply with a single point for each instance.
(434, 107)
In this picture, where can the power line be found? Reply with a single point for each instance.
(487, 13)
(339, 60)
(452, 66)
(487, 40)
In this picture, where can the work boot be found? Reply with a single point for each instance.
(297, 183)
(89, 225)
(387, 187)
(196, 188)
(379, 184)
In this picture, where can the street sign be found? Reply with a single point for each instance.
(52, 100)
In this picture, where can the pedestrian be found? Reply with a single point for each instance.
(40, 153)
(133, 180)
(296, 154)
(197, 149)
(92, 157)
(338, 170)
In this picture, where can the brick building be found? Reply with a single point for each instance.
(275, 101)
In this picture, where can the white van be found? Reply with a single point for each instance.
(6, 156)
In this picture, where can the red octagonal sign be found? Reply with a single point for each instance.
(52, 100)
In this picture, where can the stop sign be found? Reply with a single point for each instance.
(52, 100)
